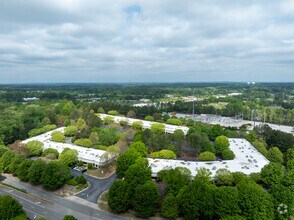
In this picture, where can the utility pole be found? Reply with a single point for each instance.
(254, 119)
(252, 115)
(193, 108)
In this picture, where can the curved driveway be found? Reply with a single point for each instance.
(97, 186)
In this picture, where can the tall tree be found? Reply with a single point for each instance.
(146, 199)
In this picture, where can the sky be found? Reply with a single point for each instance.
(116, 41)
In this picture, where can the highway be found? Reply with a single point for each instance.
(40, 203)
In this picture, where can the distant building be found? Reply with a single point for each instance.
(32, 99)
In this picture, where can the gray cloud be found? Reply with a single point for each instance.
(129, 41)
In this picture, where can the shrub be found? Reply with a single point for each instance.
(84, 142)
(138, 125)
(158, 128)
(100, 110)
(221, 143)
(57, 136)
(275, 155)
(81, 180)
(72, 182)
(52, 151)
(138, 136)
(123, 123)
(35, 148)
(113, 112)
(100, 147)
(224, 177)
(260, 147)
(174, 121)
(70, 131)
(37, 131)
(149, 118)
(113, 149)
(108, 120)
(164, 154)
(207, 156)
(228, 154)
(90, 165)
(69, 156)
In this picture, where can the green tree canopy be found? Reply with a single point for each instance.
(251, 136)
(57, 136)
(100, 110)
(158, 128)
(170, 207)
(283, 201)
(149, 118)
(226, 200)
(3, 149)
(35, 148)
(70, 131)
(7, 159)
(175, 179)
(146, 199)
(125, 160)
(84, 142)
(108, 136)
(260, 147)
(254, 201)
(140, 147)
(275, 155)
(15, 163)
(69, 217)
(224, 177)
(68, 156)
(207, 156)
(228, 154)
(50, 151)
(113, 149)
(216, 131)
(164, 154)
(9, 207)
(54, 175)
(108, 120)
(197, 200)
(138, 173)
(23, 170)
(174, 121)
(221, 143)
(94, 137)
(118, 197)
(113, 112)
(36, 170)
(272, 173)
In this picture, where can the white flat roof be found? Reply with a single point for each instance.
(147, 124)
(247, 160)
(88, 155)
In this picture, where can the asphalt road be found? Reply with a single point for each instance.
(97, 186)
(40, 203)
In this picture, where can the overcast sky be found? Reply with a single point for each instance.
(146, 41)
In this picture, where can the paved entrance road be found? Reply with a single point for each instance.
(97, 187)
(40, 203)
